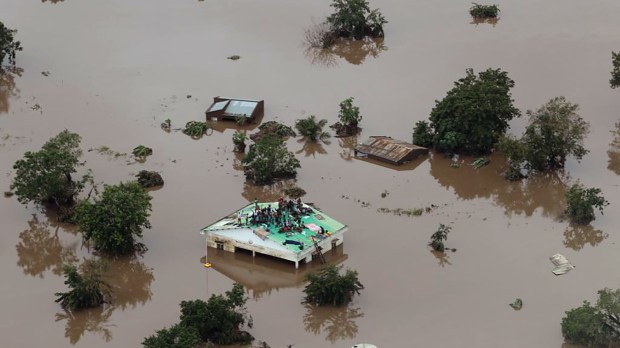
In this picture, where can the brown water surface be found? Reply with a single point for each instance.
(114, 70)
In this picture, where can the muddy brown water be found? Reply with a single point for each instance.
(114, 70)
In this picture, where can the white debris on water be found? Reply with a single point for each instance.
(561, 264)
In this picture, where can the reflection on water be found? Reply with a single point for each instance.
(39, 250)
(266, 193)
(94, 320)
(7, 86)
(442, 258)
(221, 126)
(262, 274)
(311, 148)
(353, 51)
(347, 144)
(577, 236)
(544, 191)
(492, 21)
(613, 163)
(337, 323)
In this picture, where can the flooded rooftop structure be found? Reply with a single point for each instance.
(287, 230)
(230, 109)
(389, 150)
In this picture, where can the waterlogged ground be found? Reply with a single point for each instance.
(114, 70)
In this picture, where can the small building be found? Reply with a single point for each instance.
(234, 109)
(389, 150)
(299, 233)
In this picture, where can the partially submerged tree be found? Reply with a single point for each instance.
(177, 336)
(439, 237)
(483, 11)
(422, 134)
(350, 117)
(273, 129)
(615, 73)
(581, 201)
(555, 131)
(142, 151)
(312, 129)
(267, 160)
(45, 176)
(87, 288)
(8, 45)
(148, 179)
(220, 319)
(115, 221)
(238, 139)
(328, 287)
(595, 326)
(354, 19)
(195, 129)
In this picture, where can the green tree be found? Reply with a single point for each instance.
(353, 18)
(439, 237)
(177, 336)
(422, 134)
(581, 201)
(45, 176)
(595, 326)
(615, 73)
(312, 129)
(115, 221)
(349, 116)
(329, 287)
(8, 45)
(555, 131)
(483, 11)
(474, 114)
(220, 319)
(88, 289)
(238, 139)
(269, 159)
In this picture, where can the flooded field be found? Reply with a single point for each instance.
(113, 70)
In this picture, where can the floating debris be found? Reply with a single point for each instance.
(517, 304)
(384, 194)
(45, 73)
(561, 264)
(8, 194)
(455, 165)
(480, 162)
(234, 57)
(36, 107)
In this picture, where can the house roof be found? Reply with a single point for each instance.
(387, 148)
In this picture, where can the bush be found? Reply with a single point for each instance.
(148, 179)
(349, 117)
(329, 287)
(116, 219)
(273, 129)
(8, 45)
(88, 289)
(238, 139)
(597, 326)
(474, 114)
(353, 18)
(422, 134)
(195, 129)
(267, 160)
(615, 73)
(483, 11)
(177, 336)
(142, 151)
(439, 237)
(312, 129)
(580, 203)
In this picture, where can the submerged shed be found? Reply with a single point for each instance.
(234, 109)
(389, 150)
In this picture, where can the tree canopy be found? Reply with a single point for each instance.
(328, 287)
(581, 201)
(115, 221)
(615, 73)
(473, 115)
(8, 45)
(219, 319)
(595, 326)
(45, 176)
(312, 129)
(268, 159)
(177, 336)
(353, 18)
(87, 288)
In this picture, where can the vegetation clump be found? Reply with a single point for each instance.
(595, 326)
(177, 336)
(273, 129)
(354, 19)
(329, 287)
(472, 116)
(312, 129)
(615, 73)
(581, 201)
(195, 129)
(8, 45)
(87, 288)
(267, 160)
(142, 151)
(483, 11)
(238, 139)
(554, 132)
(480, 162)
(115, 221)
(45, 176)
(350, 117)
(148, 179)
(439, 237)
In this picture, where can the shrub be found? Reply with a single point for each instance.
(267, 160)
(483, 11)
(439, 237)
(312, 129)
(273, 129)
(87, 288)
(238, 139)
(8, 45)
(349, 116)
(329, 287)
(353, 18)
(580, 203)
(615, 73)
(195, 129)
(142, 151)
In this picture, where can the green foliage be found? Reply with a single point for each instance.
(349, 115)
(116, 219)
(353, 18)
(328, 287)
(88, 289)
(45, 176)
(422, 134)
(483, 11)
(439, 237)
(615, 73)
(312, 129)
(480, 162)
(474, 114)
(238, 139)
(595, 326)
(220, 318)
(269, 159)
(8, 45)
(142, 151)
(273, 129)
(195, 129)
(177, 336)
(581, 201)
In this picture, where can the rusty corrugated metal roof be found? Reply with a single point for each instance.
(389, 149)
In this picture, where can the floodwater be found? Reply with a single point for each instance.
(114, 70)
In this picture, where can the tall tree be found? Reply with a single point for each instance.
(115, 221)
(45, 176)
(268, 159)
(581, 201)
(329, 287)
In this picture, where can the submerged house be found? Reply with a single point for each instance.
(235, 109)
(389, 150)
(298, 233)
